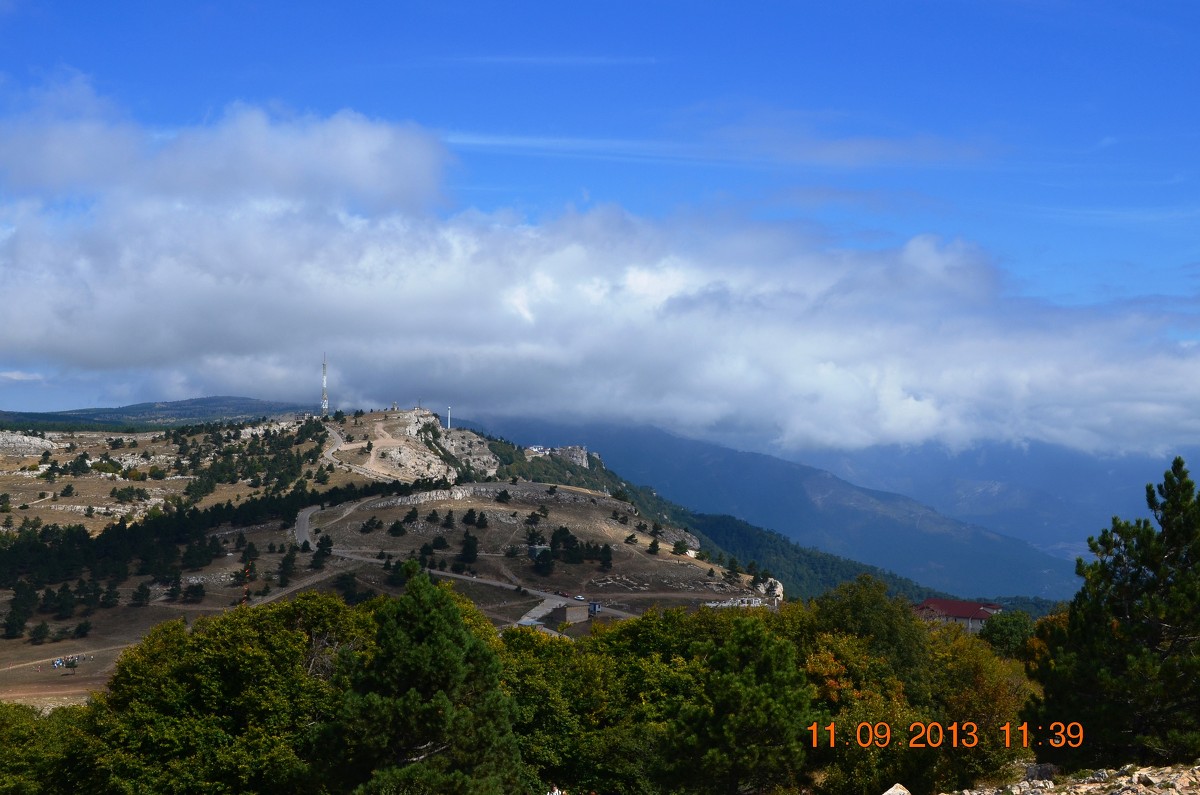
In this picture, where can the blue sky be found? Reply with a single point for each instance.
(785, 225)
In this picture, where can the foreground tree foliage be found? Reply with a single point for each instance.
(228, 705)
(876, 663)
(722, 701)
(424, 711)
(709, 702)
(306, 696)
(37, 755)
(1008, 632)
(420, 694)
(743, 726)
(1125, 660)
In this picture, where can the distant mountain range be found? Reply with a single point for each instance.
(815, 508)
(148, 415)
(1050, 496)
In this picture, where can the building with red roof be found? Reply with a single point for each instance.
(970, 614)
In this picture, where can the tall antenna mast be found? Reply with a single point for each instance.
(324, 388)
(447, 418)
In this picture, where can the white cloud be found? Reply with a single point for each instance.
(70, 143)
(226, 258)
(18, 375)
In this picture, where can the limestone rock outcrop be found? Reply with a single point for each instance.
(574, 454)
(19, 444)
(1129, 780)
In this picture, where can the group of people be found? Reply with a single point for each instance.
(65, 662)
(554, 790)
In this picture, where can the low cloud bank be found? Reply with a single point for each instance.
(226, 258)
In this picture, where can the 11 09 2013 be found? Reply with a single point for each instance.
(933, 734)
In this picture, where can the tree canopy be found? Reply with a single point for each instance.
(420, 694)
(1126, 661)
(302, 696)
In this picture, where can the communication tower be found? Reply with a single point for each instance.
(324, 388)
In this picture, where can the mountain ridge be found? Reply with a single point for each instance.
(814, 507)
(153, 414)
(1048, 495)
(803, 504)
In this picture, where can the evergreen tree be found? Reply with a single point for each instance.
(1127, 664)
(426, 713)
(287, 567)
(40, 633)
(744, 725)
(176, 588)
(470, 548)
(14, 624)
(111, 597)
(141, 596)
(64, 604)
(543, 564)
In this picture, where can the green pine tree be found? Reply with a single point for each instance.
(426, 712)
(1127, 664)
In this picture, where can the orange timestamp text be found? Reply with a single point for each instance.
(965, 734)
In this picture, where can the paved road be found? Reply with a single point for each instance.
(302, 521)
(549, 600)
(303, 532)
(373, 469)
(338, 441)
(303, 528)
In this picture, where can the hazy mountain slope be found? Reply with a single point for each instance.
(805, 572)
(1048, 495)
(815, 508)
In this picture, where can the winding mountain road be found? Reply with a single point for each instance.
(303, 533)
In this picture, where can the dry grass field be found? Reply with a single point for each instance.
(27, 674)
(90, 501)
(366, 534)
(634, 572)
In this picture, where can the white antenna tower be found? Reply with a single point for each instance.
(447, 418)
(324, 388)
